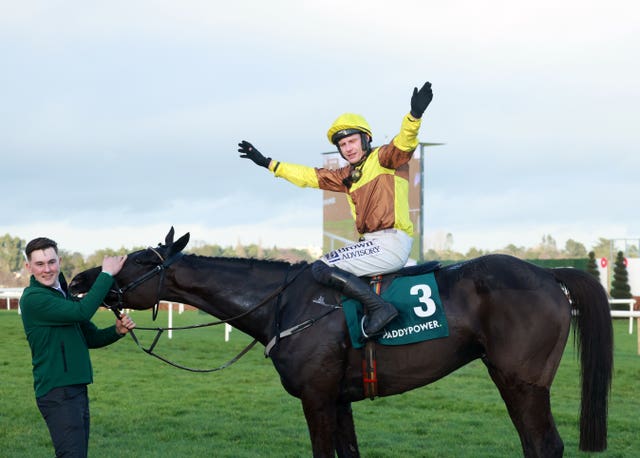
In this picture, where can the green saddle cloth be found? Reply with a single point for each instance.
(420, 313)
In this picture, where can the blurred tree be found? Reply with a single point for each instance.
(72, 264)
(11, 249)
(208, 250)
(230, 252)
(592, 265)
(513, 250)
(9, 280)
(432, 255)
(602, 248)
(549, 241)
(547, 249)
(252, 251)
(474, 253)
(12, 272)
(574, 249)
(620, 288)
(11, 253)
(448, 243)
(240, 251)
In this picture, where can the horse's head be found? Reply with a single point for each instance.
(139, 283)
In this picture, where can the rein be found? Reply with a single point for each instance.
(159, 269)
(150, 351)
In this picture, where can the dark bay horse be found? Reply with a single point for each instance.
(512, 315)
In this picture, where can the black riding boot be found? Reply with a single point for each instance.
(379, 312)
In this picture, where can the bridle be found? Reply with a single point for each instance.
(160, 270)
(157, 270)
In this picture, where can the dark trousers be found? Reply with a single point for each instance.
(66, 411)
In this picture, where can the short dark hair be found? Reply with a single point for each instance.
(40, 243)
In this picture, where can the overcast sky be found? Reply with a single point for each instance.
(119, 119)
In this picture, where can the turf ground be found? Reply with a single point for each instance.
(142, 407)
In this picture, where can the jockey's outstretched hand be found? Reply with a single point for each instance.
(421, 99)
(248, 151)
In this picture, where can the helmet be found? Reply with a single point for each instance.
(347, 124)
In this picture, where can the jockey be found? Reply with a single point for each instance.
(375, 182)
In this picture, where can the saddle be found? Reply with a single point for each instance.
(380, 283)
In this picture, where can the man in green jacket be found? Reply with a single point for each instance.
(60, 333)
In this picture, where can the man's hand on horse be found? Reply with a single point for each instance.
(421, 99)
(248, 151)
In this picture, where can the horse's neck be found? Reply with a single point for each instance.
(227, 288)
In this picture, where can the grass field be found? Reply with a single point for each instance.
(141, 407)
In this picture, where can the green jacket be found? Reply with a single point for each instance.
(60, 332)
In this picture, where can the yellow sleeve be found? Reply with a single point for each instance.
(407, 139)
(300, 175)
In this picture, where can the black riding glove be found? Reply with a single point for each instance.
(248, 151)
(420, 100)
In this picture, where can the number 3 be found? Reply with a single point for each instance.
(424, 291)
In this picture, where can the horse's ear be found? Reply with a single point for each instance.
(168, 240)
(179, 245)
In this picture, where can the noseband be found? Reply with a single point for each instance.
(157, 270)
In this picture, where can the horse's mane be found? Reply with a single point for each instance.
(249, 262)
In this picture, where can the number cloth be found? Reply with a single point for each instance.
(421, 315)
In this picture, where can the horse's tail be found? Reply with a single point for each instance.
(593, 335)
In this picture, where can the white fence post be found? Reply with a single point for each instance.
(11, 293)
(170, 319)
(623, 313)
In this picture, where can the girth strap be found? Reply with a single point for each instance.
(370, 370)
(369, 363)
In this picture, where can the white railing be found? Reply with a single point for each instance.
(631, 314)
(227, 326)
(15, 293)
(10, 293)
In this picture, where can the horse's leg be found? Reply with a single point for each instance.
(530, 411)
(321, 421)
(331, 428)
(346, 440)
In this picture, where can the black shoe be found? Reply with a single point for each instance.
(378, 312)
(377, 319)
